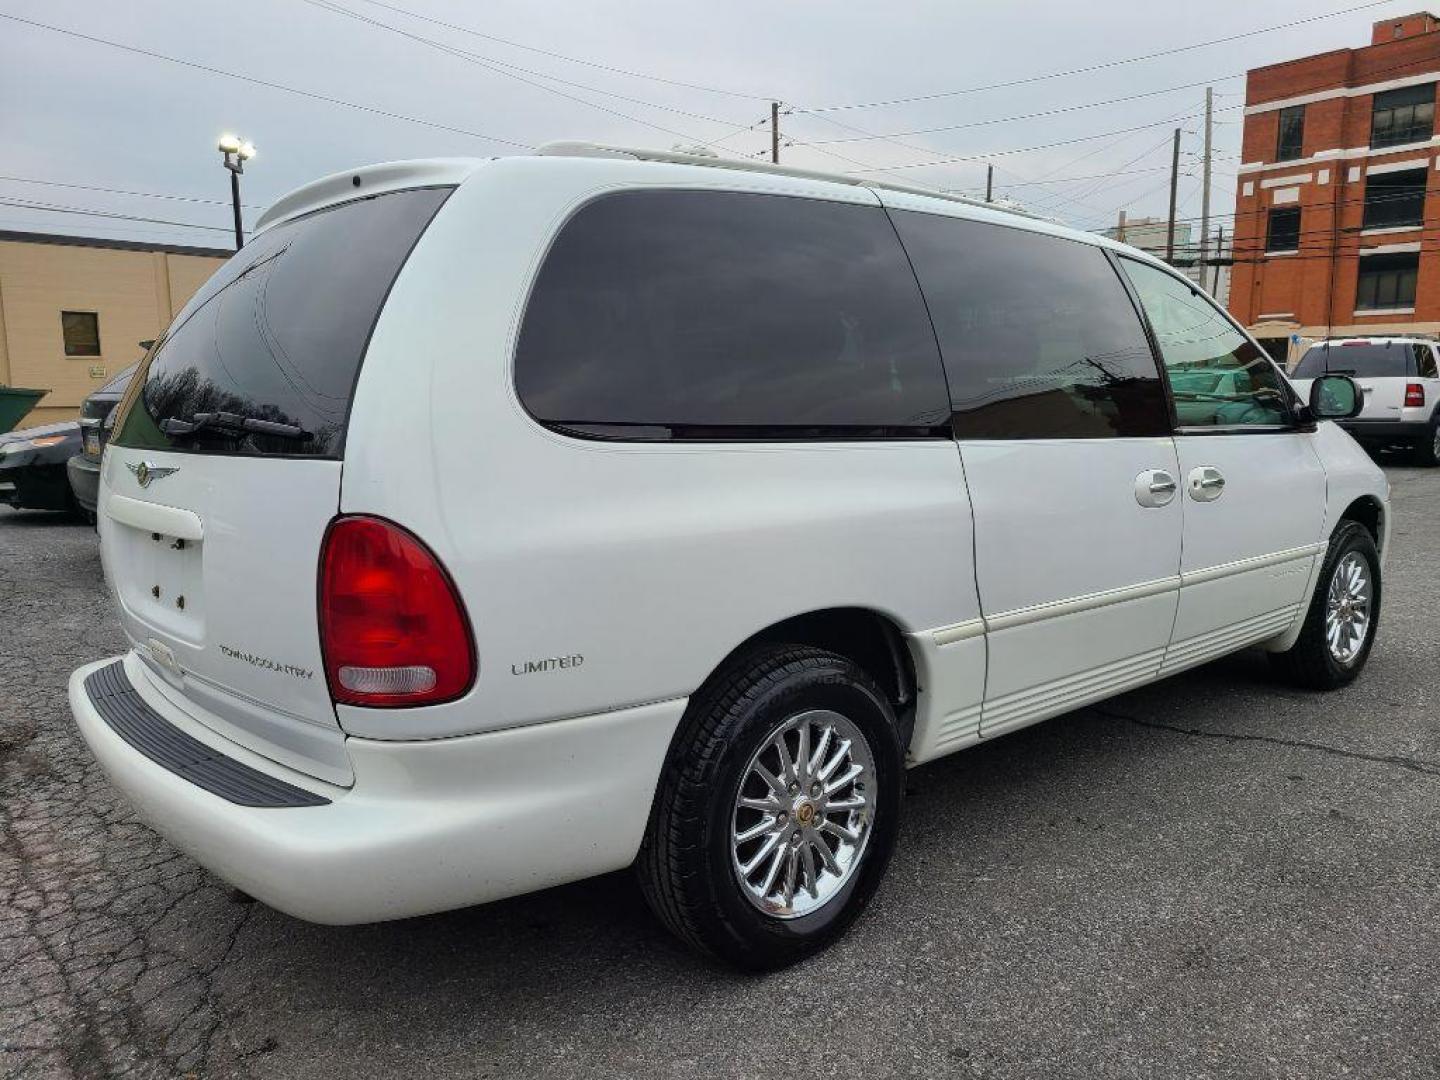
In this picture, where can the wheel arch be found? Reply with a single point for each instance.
(873, 640)
(1368, 511)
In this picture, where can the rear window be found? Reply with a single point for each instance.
(264, 358)
(726, 315)
(1368, 360)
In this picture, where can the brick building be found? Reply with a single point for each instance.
(1337, 218)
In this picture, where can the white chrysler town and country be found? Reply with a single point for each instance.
(486, 525)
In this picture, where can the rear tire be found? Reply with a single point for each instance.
(727, 754)
(1332, 648)
(1427, 451)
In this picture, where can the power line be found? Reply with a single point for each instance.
(312, 95)
(1263, 212)
(498, 67)
(569, 59)
(1026, 149)
(122, 191)
(55, 208)
(1100, 66)
(1032, 115)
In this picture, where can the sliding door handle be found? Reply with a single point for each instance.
(1154, 487)
(1207, 483)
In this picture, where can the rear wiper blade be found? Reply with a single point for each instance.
(233, 422)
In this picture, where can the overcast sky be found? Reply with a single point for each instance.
(76, 112)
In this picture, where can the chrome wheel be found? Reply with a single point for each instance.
(1347, 608)
(803, 814)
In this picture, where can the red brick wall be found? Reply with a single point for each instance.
(1318, 284)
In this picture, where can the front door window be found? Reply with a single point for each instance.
(1219, 378)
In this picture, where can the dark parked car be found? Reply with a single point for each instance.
(32, 467)
(84, 467)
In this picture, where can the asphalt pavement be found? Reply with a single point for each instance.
(1215, 876)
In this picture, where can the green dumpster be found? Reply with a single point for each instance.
(15, 402)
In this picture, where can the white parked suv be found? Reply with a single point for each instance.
(486, 525)
(1400, 378)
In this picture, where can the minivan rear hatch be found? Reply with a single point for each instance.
(224, 473)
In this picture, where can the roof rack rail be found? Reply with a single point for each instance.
(599, 150)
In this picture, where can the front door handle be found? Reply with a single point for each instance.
(1154, 487)
(1207, 483)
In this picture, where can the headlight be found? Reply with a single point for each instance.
(44, 440)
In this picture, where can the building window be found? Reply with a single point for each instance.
(1395, 198)
(1283, 233)
(1387, 281)
(1406, 115)
(82, 333)
(1292, 134)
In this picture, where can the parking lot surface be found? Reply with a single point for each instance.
(1216, 876)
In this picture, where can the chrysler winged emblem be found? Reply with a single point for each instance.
(145, 473)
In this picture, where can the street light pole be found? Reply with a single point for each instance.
(236, 151)
(235, 206)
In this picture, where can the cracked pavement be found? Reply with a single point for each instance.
(1215, 876)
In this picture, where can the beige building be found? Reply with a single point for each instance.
(74, 310)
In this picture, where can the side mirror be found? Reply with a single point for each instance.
(1335, 397)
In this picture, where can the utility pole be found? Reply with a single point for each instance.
(774, 132)
(1174, 180)
(1205, 184)
(1120, 228)
(989, 183)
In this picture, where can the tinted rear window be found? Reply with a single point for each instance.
(1369, 361)
(278, 333)
(721, 315)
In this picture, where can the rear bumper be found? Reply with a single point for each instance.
(84, 481)
(1387, 430)
(34, 487)
(427, 825)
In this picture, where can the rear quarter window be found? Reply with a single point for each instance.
(277, 335)
(727, 315)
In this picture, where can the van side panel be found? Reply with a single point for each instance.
(600, 575)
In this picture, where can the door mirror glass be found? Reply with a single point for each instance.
(1335, 397)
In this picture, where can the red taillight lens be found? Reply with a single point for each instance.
(392, 627)
(1414, 394)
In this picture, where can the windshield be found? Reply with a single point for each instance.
(264, 358)
(1365, 359)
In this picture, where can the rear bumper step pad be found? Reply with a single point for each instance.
(122, 707)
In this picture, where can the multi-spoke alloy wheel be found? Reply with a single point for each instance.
(1347, 608)
(778, 808)
(1339, 629)
(802, 814)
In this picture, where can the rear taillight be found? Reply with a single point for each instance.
(392, 627)
(1414, 394)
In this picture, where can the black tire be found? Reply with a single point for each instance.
(686, 866)
(1309, 663)
(1427, 450)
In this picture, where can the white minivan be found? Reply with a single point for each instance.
(486, 525)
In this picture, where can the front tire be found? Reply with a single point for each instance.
(777, 811)
(1344, 613)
